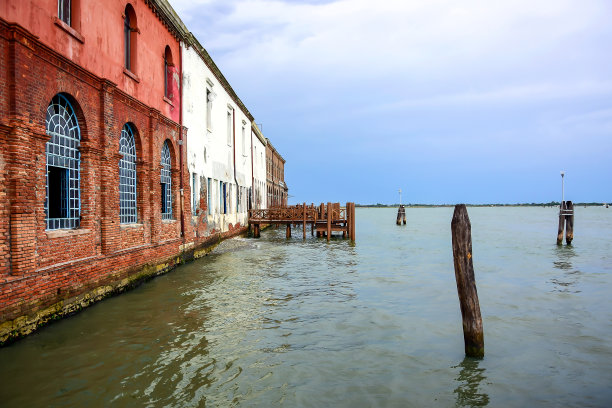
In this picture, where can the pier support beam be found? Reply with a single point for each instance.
(304, 221)
(288, 230)
(329, 220)
(473, 336)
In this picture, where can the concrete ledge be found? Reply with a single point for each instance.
(21, 326)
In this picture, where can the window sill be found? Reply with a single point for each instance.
(131, 75)
(66, 233)
(71, 31)
(168, 101)
(130, 226)
(168, 221)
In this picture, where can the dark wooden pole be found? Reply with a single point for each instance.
(304, 220)
(561, 223)
(569, 222)
(288, 230)
(352, 222)
(348, 219)
(329, 220)
(473, 336)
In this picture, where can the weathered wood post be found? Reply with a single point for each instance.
(256, 231)
(352, 237)
(304, 220)
(561, 223)
(329, 220)
(288, 230)
(473, 336)
(348, 219)
(569, 222)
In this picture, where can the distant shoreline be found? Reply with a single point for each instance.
(551, 204)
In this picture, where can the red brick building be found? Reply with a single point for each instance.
(278, 191)
(92, 174)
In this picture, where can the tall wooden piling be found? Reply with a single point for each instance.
(569, 222)
(329, 220)
(566, 221)
(473, 336)
(304, 220)
(561, 223)
(288, 230)
(352, 234)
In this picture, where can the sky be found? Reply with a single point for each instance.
(469, 101)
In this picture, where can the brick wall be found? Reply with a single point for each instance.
(47, 273)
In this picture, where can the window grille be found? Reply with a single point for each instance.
(63, 10)
(63, 200)
(127, 176)
(166, 183)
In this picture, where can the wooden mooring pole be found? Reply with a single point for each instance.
(566, 221)
(329, 220)
(473, 336)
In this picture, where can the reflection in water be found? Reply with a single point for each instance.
(470, 378)
(567, 281)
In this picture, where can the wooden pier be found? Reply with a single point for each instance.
(323, 219)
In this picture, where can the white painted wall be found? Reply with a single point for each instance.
(209, 153)
(259, 170)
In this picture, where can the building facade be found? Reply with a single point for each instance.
(219, 148)
(277, 189)
(259, 143)
(125, 152)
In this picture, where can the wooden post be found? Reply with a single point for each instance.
(304, 221)
(569, 222)
(256, 231)
(288, 230)
(561, 223)
(473, 336)
(352, 222)
(329, 220)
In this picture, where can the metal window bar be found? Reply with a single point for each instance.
(62, 152)
(128, 213)
(166, 181)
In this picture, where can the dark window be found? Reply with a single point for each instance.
(127, 32)
(63, 10)
(166, 183)
(63, 200)
(127, 176)
(168, 69)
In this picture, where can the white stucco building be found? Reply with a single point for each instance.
(219, 144)
(259, 167)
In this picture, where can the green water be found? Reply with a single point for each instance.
(276, 322)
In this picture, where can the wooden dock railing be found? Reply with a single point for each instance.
(322, 219)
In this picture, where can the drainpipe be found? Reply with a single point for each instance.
(181, 141)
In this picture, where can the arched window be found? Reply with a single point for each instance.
(168, 69)
(130, 30)
(166, 183)
(127, 176)
(63, 196)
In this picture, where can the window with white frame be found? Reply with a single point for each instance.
(230, 126)
(243, 140)
(166, 183)
(127, 176)
(194, 193)
(209, 194)
(63, 192)
(209, 102)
